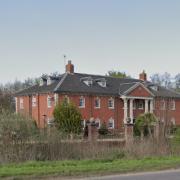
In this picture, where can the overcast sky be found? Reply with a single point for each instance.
(97, 35)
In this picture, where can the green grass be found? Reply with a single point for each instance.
(88, 167)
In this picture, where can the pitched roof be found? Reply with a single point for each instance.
(74, 83)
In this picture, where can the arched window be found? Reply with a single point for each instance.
(111, 123)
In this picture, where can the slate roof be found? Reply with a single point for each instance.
(73, 83)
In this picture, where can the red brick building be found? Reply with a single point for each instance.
(115, 101)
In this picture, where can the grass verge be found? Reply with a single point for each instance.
(88, 167)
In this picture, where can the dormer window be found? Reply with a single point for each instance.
(101, 82)
(87, 80)
(155, 88)
(43, 81)
(49, 81)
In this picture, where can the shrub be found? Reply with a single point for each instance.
(67, 118)
(103, 129)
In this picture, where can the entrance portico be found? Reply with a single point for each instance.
(129, 107)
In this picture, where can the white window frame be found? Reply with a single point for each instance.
(111, 120)
(172, 105)
(173, 121)
(21, 103)
(83, 102)
(34, 101)
(111, 102)
(99, 103)
(162, 105)
(49, 101)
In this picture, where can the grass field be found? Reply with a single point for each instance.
(87, 167)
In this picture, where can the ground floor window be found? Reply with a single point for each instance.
(98, 123)
(111, 123)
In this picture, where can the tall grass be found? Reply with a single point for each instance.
(21, 140)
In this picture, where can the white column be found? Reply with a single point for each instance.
(151, 106)
(125, 110)
(56, 98)
(16, 101)
(146, 105)
(131, 110)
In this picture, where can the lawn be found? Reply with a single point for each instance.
(88, 167)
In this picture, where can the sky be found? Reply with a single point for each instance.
(97, 35)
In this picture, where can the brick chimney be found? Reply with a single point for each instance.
(69, 67)
(143, 76)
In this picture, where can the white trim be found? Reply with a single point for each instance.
(61, 81)
(136, 97)
(135, 86)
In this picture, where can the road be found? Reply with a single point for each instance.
(161, 175)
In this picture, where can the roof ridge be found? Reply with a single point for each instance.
(61, 81)
(105, 76)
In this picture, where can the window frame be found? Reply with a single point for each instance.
(49, 101)
(21, 103)
(111, 100)
(34, 101)
(111, 120)
(99, 103)
(83, 102)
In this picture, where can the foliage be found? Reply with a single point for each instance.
(16, 127)
(103, 129)
(117, 74)
(162, 79)
(67, 118)
(144, 123)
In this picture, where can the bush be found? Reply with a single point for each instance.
(103, 129)
(68, 118)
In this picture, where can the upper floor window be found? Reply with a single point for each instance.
(111, 103)
(162, 105)
(82, 102)
(34, 103)
(97, 103)
(172, 105)
(111, 123)
(21, 103)
(49, 102)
